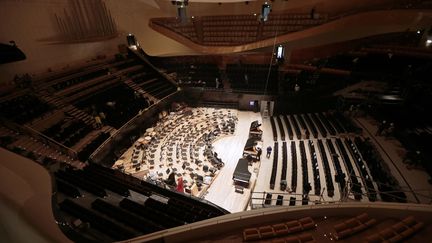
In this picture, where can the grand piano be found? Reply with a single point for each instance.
(241, 174)
(251, 148)
(255, 131)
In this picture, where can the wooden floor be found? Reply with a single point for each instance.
(230, 148)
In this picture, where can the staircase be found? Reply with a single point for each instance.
(81, 115)
(138, 89)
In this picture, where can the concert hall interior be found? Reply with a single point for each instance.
(215, 121)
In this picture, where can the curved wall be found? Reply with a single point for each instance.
(33, 26)
(26, 213)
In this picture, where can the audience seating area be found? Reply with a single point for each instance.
(68, 131)
(23, 109)
(280, 230)
(253, 77)
(119, 104)
(230, 30)
(161, 209)
(340, 154)
(353, 226)
(274, 167)
(397, 232)
(327, 171)
(195, 74)
(388, 188)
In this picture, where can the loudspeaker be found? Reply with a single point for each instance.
(181, 12)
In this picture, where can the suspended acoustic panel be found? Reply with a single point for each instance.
(85, 21)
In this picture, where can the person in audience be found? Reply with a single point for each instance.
(269, 150)
(312, 13)
(98, 122)
(102, 116)
(296, 88)
(381, 128)
(390, 130)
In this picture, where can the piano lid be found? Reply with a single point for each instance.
(251, 142)
(254, 125)
(241, 172)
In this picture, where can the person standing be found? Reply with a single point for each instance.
(381, 128)
(259, 152)
(269, 150)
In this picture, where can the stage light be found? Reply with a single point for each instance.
(181, 10)
(265, 11)
(280, 52)
(131, 40)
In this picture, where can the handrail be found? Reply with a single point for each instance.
(127, 124)
(142, 57)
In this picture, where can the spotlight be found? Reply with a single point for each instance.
(265, 11)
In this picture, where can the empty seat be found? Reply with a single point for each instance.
(280, 229)
(251, 234)
(266, 232)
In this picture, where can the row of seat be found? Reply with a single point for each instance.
(104, 181)
(102, 224)
(339, 175)
(175, 212)
(294, 167)
(327, 171)
(132, 220)
(288, 126)
(160, 218)
(23, 109)
(397, 232)
(283, 182)
(296, 126)
(388, 188)
(79, 79)
(305, 175)
(315, 169)
(281, 128)
(83, 183)
(320, 126)
(67, 189)
(362, 168)
(335, 122)
(148, 189)
(274, 131)
(68, 132)
(353, 226)
(356, 187)
(119, 104)
(219, 28)
(251, 76)
(310, 124)
(278, 230)
(274, 167)
(228, 33)
(303, 238)
(326, 122)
